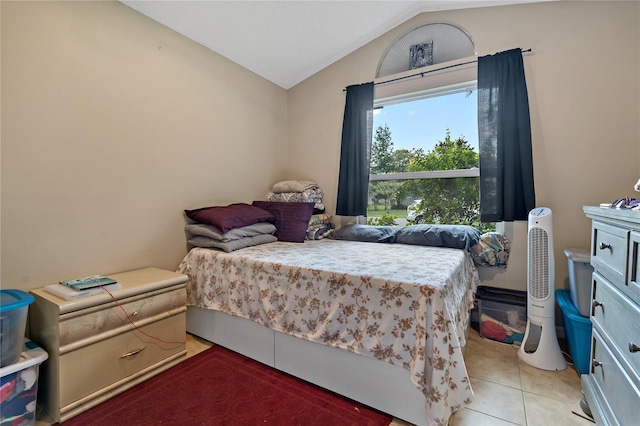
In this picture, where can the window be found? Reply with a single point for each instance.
(425, 148)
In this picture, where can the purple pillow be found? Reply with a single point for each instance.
(292, 219)
(229, 217)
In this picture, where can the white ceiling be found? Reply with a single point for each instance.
(288, 41)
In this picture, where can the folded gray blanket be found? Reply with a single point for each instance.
(210, 231)
(206, 242)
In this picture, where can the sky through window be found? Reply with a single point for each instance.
(421, 123)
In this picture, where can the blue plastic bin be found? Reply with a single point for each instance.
(577, 330)
(14, 305)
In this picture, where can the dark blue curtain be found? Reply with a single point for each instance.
(353, 182)
(504, 129)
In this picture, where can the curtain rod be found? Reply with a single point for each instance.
(421, 74)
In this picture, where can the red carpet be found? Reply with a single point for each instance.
(221, 387)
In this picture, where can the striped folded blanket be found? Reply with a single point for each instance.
(307, 196)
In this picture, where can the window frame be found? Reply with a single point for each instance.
(434, 92)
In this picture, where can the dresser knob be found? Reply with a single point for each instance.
(596, 304)
(633, 348)
(604, 246)
(595, 363)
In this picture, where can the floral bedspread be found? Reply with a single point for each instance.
(403, 304)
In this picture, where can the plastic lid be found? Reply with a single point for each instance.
(13, 299)
(32, 354)
(578, 255)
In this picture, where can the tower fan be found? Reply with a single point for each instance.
(540, 346)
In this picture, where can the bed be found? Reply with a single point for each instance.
(383, 324)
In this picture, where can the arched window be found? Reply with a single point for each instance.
(426, 45)
(425, 151)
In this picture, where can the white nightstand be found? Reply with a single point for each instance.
(95, 352)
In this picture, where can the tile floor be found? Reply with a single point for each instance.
(507, 390)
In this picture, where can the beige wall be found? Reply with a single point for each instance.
(113, 124)
(583, 82)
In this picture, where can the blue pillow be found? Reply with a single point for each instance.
(452, 236)
(366, 233)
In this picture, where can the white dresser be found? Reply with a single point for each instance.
(95, 352)
(612, 387)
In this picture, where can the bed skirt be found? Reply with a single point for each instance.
(375, 383)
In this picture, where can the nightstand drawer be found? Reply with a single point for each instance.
(611, 314)
(609, 250)
(109, 361)
(621, 392)
(84, 327)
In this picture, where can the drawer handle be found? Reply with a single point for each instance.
(132, 353)
(633, 348)
(604, 246)
(596, 304)
(596, 363)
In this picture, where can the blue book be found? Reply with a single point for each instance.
(88, 282)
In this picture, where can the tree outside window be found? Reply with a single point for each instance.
(447, 200)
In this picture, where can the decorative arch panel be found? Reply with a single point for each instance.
(426, 45)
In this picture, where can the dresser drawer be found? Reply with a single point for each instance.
(622, 395)
(633, 274)
(611, 314)
(95, 367)
(85, 327)
(609, 250)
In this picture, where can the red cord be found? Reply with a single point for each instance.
(136, 327)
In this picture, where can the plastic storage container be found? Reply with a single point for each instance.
(580, 270)
(502, 314)
(19, 386)
(577, 330)
(14, 306)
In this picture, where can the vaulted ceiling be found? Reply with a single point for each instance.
(288, 41)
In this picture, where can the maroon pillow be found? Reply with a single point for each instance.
(229, 217)
(292, 219)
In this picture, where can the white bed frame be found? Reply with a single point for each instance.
(375, 383)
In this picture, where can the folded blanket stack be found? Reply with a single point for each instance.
(305, 191)
(208, 236)
(299, 191)
(229, 228)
